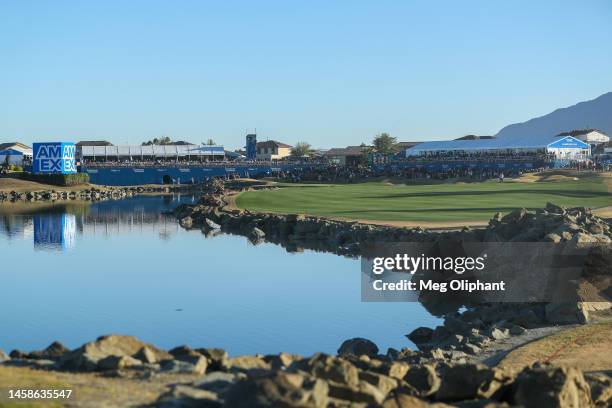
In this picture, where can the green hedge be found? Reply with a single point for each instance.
(64, 180)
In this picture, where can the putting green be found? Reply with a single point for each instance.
(378, 201)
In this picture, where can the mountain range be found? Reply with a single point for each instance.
(593, 114)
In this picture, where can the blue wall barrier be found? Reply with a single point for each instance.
(128, 176)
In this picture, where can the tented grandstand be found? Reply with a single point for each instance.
(149, 154)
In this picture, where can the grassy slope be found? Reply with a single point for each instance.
(439, 202)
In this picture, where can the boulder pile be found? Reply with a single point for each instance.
(357, 377)
(295, 231)
(89, 194)
(86, 194)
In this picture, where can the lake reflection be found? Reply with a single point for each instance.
(74, 271)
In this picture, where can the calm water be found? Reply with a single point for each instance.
(72, 273)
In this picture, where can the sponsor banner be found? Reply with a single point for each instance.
(54, 158)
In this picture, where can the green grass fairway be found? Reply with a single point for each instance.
(426, 203)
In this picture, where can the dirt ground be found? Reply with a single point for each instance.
(88, 390)
(587, 347)
(23, 186)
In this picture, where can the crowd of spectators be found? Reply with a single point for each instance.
(320, 170)
(597, 164)
(167, 163)
(335, 174)
(483, 156)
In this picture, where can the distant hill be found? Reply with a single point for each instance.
(596, 113)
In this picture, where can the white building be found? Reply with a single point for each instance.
(14, 153)
(590, 136)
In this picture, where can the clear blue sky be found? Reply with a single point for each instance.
(328, 72)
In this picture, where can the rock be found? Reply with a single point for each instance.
(382, 382)
(552, 237)
(544, 387)
(392, 353)
(217, 357)
(18, 354)
(440, 334)
(53, 352)
(497, 333)
(517, 330)
(146, 355)
(601, 389)
(185, 396)
(217, 382)
(330, 368)
(247, 364)
(555, 209)
(38, 364)
(399, 399)
(457, 356)
(211, 224)
(422, 380)
(361, 392)
(86, 357)
(3, 356)
(396, 369)
(453, 341)
(468, 381)
(186, 222)
(420, 335)
(437, 353)
(581, 238)
(282, 360)
(279, 389)
(568, 312)
(472, 348)
(358, 346)
(183, 351)
(256, 234)
(408, 355)
(118, 363)
(190, 365)
(481, 403)
(596, 229)
(528, 319)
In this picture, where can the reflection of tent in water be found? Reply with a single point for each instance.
(54, 231)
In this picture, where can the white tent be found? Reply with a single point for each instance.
(502, 145)
(150, 151)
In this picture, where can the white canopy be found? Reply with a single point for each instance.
(160, 151)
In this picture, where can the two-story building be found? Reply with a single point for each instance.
(591, 136)
(272, 150)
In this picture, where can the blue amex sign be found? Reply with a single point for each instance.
(54, 158)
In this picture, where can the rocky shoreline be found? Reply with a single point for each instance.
(85, 194)
(359, 376)
(465, 336)
(296, 231)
